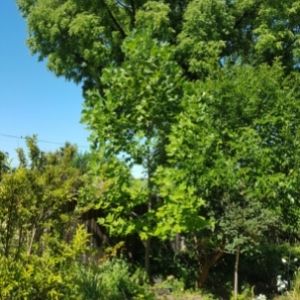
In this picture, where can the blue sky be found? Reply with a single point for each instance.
(32, 99)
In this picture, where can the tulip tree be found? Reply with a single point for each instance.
(137, 105)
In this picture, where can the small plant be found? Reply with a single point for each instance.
(168, 286)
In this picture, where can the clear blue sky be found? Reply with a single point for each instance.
(32, 99)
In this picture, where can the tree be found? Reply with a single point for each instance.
(38, 198)
(234, 147)
(80, 39)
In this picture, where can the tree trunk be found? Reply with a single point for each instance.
(205, 268)
(149, 187)
(148, 243)
(203, 274)
(147, 256)
(31, 240)
(236, 273)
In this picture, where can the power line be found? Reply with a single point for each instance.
(11, 136)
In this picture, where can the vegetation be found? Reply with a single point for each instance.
(203, 96)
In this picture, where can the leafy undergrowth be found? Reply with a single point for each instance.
(173, 289)
(185, 296)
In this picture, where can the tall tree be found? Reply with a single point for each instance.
(234, 146)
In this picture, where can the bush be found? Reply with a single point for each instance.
(36, 278)
(112, 280)
(246, 294)
(42, 278)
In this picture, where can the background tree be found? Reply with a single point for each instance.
(39, 198)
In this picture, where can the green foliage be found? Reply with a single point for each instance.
(225, 149)
(46, 276)
(246, 294)
(206, 33)
(111, 280)
(240, 142)
(16, 205)
(169, 285)
(37, 219)
(108, 189)
(154, 19)
(4, 166)
(179, 212)
(206, 26)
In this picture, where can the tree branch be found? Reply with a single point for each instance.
(131, 9)
(114, 20)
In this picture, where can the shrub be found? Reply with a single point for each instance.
(112, 280)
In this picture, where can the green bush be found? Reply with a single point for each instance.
(42, 278)
(112, 280)
(246, 294)
(36, 278)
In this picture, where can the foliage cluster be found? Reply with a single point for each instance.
(44, 251)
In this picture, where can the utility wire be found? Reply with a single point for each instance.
(38, 140)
